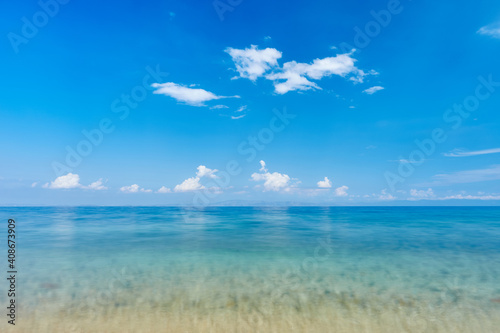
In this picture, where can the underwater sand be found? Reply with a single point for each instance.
(298, 269)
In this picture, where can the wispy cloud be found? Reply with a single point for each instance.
(462, 153)
(184, 94)
(242, 108)
(492, 30)
(372, 90)
(468, 176)
(238, 117)
(470, 197)
(219, 106)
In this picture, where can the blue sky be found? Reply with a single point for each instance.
(201, 102)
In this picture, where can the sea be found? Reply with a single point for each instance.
(251, 269)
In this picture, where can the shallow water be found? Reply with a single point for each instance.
(249, 269)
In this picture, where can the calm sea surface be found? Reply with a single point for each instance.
(252, 269)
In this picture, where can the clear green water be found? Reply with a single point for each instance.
(428, 267)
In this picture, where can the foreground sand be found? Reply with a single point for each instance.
(346, 315)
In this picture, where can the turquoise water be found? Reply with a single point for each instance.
(256, 269)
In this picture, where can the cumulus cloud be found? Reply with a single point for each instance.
(462, 153)
(72, 180)
(190, 184)
(134, 189)
(372, 90)
(203, 171)
(251, 63)
(164, 189)
(184, 94)
(492, 30)
(193, 183)
(341, 191)
(421, 194)
(272, 181)
(326, 183)
(67, 181)
(385, 196)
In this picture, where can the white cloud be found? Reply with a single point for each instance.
(219, 106)
(385, 196)
(461, 153)
(164, 189)
(326, 183)
(372, 90)
(190, 184)
(295, 76)
(34, 184)
(404, 161)
(252, 63)
(429, 195)
(242, 108)
(238, 117)
(67, 181)
(341, 191)
(72, 180)
(272, 181)
(421, 194)
(468, 176)
(97, 185)
(471, 197)
(203, 171)
(193, 183)
(262, 166)
(492, 30)
(190, 96)
(134, 189)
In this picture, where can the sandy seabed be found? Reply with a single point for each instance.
(341, 313)
(224, 297)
